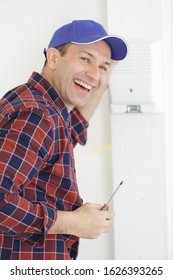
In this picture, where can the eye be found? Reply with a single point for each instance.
(104, 68)
(85, 59)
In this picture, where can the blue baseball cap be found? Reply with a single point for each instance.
(88, 32)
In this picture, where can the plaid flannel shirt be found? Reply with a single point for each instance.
(37, 171)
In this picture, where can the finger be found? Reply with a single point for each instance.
(108, 224)
(110, 216)
(107, 214)
(92, 205)
(97, 206)
(107, 227)
(105, 207)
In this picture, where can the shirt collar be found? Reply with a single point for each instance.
(43, 86)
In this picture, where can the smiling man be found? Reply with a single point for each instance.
(42, 215)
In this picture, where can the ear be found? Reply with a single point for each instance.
(52, 56)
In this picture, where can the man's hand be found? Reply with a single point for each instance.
(88, 110)
(85, 222)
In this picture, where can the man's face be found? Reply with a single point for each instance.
(81, 72)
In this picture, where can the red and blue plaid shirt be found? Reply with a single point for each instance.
(37, 171)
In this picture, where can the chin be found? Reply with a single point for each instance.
(81, 104)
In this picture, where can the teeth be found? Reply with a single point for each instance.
(83, 84)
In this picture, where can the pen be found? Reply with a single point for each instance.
(105, 207)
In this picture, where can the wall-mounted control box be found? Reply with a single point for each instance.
(136, 84)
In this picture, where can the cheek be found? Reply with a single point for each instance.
(67, 75)
(107, 79)
(64, 78)
(105, 82)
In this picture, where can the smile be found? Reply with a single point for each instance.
(82, 84)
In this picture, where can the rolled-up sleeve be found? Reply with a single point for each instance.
(25, 145)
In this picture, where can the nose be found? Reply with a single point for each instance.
(93, 72)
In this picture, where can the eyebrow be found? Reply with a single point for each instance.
(91, 55)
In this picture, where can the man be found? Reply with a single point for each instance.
(42, 215)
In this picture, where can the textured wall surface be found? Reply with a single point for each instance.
(138, 147)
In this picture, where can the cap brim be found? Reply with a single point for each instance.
(118, 45)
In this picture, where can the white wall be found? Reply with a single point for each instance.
(167, 30)
(26, 28)
(139, 155)
(139, 159)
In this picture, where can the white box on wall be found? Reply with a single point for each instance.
(136, 82)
